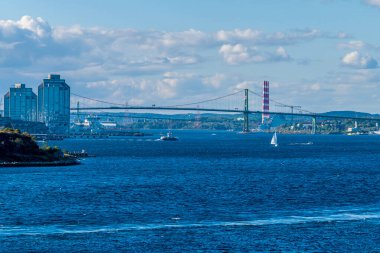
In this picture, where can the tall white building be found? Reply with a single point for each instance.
(54, 104)
(20, 103)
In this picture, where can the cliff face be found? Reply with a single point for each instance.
(20, 147)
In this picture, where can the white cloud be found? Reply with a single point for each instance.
(368, 62)
(166, 88)
(355, 59)
(187, 38)
(315, 87)
(33, 28)
(351, 58)
(236, 54)
(183, 60)
(243, 85)
(178, 75)
(215, 80)
(38, 26)
(375, 3)
(238, 35)
(282, 54)
(293, 37)
(354, 45)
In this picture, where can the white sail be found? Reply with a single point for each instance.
(274, 139)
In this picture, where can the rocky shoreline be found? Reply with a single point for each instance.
(21, 150)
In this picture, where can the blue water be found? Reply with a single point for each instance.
(207, 193)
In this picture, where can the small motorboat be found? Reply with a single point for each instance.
(168, 137)
(81, 154)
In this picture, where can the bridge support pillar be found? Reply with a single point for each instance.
(78, 111)
(246, 109)
(313, 120)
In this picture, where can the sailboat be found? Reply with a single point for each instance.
(274, 140)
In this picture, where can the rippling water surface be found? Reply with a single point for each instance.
(221, 192)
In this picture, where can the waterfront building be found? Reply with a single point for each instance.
(20, 103)
(54, 104)
(1, 108)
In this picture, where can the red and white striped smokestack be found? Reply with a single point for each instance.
(265, 115)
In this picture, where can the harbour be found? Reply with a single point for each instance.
(209, 190)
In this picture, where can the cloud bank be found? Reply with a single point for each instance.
(150, 66)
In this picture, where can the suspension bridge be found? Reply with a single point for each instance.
(245, 102)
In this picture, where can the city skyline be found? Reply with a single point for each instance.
(51, 106)
(322, 55)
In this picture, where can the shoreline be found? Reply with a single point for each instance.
(70, 162)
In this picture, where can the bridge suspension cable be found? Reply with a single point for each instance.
(282, 104)
(206, 101)
(179, 105)
(96, 100)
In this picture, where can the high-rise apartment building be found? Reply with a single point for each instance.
(20, 103)
(54, 104)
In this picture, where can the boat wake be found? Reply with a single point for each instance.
(301, 143)
(287, 220)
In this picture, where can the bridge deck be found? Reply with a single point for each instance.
(168, 108)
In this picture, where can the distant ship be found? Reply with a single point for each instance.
(168, 137)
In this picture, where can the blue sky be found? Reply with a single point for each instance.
(320, 54)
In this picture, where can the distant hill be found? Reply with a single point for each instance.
(350, 114)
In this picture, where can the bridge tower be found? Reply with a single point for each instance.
(197, 123)
(78, 111)
(265, 115)
(313, 120)
(246, 109)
